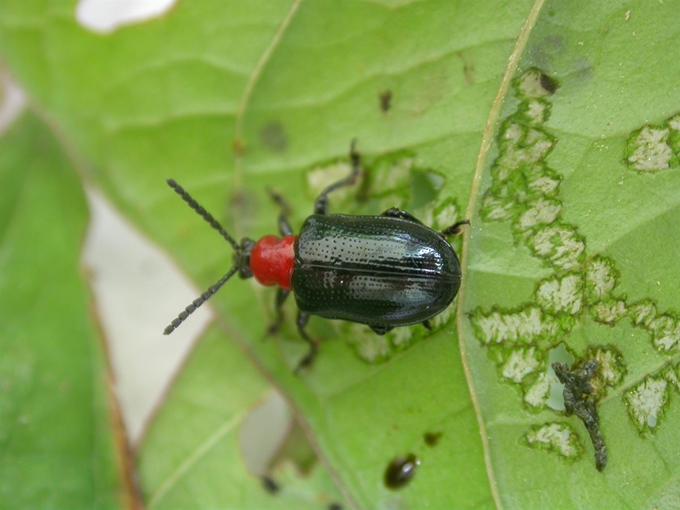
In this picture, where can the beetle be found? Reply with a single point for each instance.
(383, 271)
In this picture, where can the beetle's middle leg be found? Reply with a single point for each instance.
(302, 320)
(321, 203)
(281, 295)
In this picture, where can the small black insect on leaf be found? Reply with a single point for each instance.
(579, 400)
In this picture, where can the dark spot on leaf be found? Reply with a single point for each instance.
(549, 85)
(238, 199)
(400, 471)
(553, 44)
(385, 100)
(273, 136)
(335, 506)
(238, 147)
(432, 438)
(542, 54)
(468, 69)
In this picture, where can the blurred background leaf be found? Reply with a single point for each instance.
(61, 441)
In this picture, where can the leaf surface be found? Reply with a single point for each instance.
(552, 127)
(58, 428)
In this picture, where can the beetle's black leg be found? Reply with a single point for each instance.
(427, 324)
(281, 296)
(394, 212)
(321, 204)
(454, 229)
(284, 227)
(381, 330)
(302, 320)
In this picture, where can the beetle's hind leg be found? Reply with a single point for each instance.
(454, 229)
(302, 320)
(281, 295)
(380, 330)
(321, 203)
(284, 227)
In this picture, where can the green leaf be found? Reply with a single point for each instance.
(192, 455)
(578, 227)
(553, 127)
(56, 423)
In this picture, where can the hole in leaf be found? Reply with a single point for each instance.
(105, 16)
(297, 450)
(558, 354)
(262, 433)
(273, 136)
(12, 101)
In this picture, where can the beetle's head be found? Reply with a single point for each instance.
(242, 258)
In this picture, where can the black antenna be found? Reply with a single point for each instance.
(198, 302)
(201, 212)
(214, 288)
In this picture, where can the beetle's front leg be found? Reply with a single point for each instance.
(281, 295)
(302, 320)
(321, 204)
(284, 227)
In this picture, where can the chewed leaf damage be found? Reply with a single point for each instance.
(525, 191)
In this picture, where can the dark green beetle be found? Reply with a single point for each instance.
(383, 271)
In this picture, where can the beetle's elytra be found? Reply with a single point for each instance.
(383, 271)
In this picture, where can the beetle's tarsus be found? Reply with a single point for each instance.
(321, 203)
(281, 296)
(308, 359)
(454, 229)
(395, 212)
(354, 156)
(302, 320)
(284, 227)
